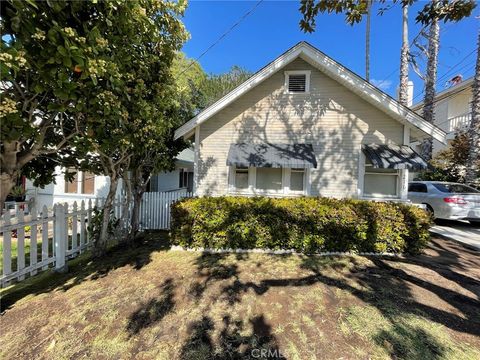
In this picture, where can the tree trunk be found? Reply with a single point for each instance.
(430, 83)
(7, 182)
(127, 184)
(473, 162)
(102, 241)
(367, 40)
(9, 173)
(139, 188)
(403, 91)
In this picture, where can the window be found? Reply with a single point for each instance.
(416, 187)
(275, 181)
(88, 183)
(455, 188)
(81, 183)
(380, 182)
(71, 187)
(241, 178)
(269, 179)
(185, 179)
(297, 177)
(297, 81)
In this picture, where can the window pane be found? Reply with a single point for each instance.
(72, 186)
(385, 185)
(88, 183)
(296, 181)
(241, 178)
(269, 179)
(455, 188)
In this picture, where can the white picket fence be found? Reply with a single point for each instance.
(49, 238)
(155, 209)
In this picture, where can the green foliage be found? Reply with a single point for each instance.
(450, 164)
(214, 86)
(95, 225)
(17, 191)
(304, 224)
(354, 10)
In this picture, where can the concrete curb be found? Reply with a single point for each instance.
(280, 252)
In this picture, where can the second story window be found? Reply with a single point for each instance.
(297, 82)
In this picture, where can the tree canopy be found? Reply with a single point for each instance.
(354, 10)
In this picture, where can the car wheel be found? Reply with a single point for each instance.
(475, 222)
(430, 211)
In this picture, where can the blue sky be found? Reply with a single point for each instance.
(273, 28)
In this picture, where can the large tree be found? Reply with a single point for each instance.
(44, 48)
(404, 56)
(355, 10)
(473, 161)
(142, 38)
(431, 80)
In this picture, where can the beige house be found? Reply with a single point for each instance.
(306, 125)
(453, 111)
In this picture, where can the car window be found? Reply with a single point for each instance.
(456, 189)
(417, 188)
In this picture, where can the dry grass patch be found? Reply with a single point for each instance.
(150, 303)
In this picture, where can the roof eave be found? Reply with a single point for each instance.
(336, 71)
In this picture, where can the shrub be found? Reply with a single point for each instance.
(305, 224)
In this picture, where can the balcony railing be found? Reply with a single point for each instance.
(459, 122)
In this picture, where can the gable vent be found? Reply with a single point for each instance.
(297, 83)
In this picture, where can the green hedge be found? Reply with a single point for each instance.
(304, 224)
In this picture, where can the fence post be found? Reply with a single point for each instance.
(20, 242)
(89, 223)
(60, 236)
(74, 228)
(7, 245)
(45, 238)
(82, 226)
(33, 240)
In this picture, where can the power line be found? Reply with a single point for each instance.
(442, 30)
(243, 17)
(452, 68)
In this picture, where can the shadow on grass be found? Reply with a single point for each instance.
(231, 343)
(407, 342)
(85, 268)
(389, 285)
(210, 269)
(153, 311)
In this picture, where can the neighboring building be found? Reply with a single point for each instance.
(179, 179)
(453, 111)
(306, 125)
(87, 186)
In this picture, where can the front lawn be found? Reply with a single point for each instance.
(150, 303)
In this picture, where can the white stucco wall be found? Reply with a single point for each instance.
(55, 192)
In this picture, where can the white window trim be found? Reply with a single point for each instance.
(298, 72)
(252, 180)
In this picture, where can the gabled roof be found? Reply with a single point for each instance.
(447, 92)
(331, 68)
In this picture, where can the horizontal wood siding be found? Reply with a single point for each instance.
(332, 118)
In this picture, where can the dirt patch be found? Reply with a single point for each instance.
(150, 303)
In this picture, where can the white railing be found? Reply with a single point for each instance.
(459, 122)
(155, 209)
(32, 241)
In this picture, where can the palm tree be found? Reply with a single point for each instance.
(403, 91)
(431, 81)
(367, 40)
(473, 162)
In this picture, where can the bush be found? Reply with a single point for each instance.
(304, 224)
